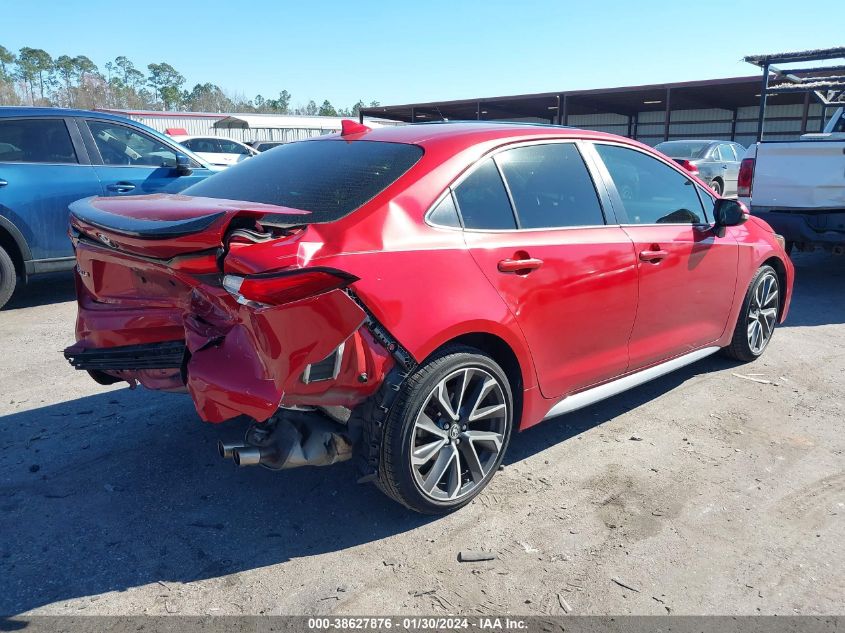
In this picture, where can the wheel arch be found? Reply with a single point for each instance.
(721, 182)
(780, 269)
(14, 243)
(505, 356)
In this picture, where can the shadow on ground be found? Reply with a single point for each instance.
(43, 290)
(125, 488)
(819, 297)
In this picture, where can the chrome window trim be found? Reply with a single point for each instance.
(23, 162)
(556, 228)
(603, 200)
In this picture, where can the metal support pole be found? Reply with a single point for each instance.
(413, 115)
(668, 114)
(805, 113)
(636, 123)
(562, 114)
(763, 90)
(478, 110)
(557, 113)
(734, 113)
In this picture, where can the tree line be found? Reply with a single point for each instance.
(33, 77)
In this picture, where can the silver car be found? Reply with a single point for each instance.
(717, 161)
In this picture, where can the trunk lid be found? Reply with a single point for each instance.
(164, 226)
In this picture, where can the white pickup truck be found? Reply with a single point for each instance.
(798, 187)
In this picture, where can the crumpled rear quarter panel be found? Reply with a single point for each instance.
(241, 362)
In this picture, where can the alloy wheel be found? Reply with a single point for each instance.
(762, 312)
(458, 434)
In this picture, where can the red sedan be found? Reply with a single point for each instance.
(409, 296)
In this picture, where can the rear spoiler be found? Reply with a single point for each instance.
(86, 213)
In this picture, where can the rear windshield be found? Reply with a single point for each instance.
(328, 178)
(683, 149)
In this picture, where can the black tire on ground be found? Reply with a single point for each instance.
(741, 344)
(404, 439)
(717, 187)
(8, 277)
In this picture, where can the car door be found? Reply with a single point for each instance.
(687, 272)
(43, 168)
(128, 161)
(729, 164)
(534, 223)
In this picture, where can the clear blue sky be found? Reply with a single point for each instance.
(400, 52)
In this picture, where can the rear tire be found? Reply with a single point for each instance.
(757, 318)
(717, 188)
(8, 277)
(447, 432)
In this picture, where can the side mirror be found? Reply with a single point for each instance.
(728, 213)
(183, 165)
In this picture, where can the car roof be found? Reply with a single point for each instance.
(697, 140)
(29, 111)
(463, 134)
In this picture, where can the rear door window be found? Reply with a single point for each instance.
(36, 141)
(651, 191)
(483, 200)
(726, 153)
(329, 178)
(550, 186)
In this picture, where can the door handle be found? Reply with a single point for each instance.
(121, 187)
(3, 183)
(724, 166)
(520, 266)
(653, 256)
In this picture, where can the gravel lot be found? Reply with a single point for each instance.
(732, 501)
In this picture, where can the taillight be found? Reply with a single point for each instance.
(690, 167)
(272, 289)
(745, 178)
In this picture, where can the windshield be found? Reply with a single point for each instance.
(329, 178)
(684, 149)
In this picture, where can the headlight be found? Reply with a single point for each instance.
(781, 241)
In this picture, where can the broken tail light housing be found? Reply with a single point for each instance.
(745, 178)
(278, 288)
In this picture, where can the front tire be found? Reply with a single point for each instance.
(758, 317)
(447, 432)
(8, 277)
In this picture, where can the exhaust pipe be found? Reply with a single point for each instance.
(227, 451)
(291, 439)
(247, 456)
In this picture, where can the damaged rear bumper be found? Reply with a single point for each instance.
(165, 355)
(141, 321)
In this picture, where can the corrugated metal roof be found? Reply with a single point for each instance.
(285, 121)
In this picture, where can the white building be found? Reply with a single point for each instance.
(242, 126)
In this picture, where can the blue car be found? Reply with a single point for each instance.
(50, 157)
